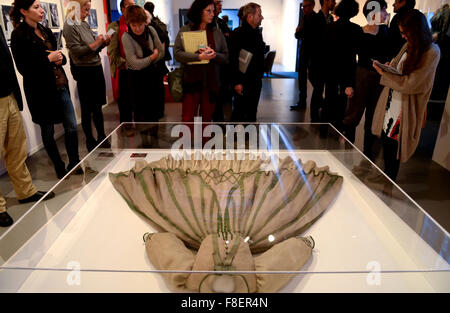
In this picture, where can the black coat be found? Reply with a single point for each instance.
(343, 37)
(307, 34)
(250, 39)
(7, 67)
(39, 81)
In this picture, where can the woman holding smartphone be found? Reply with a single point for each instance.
(86, 66)
(44, 80)
(400, 111)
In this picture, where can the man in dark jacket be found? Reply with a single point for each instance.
(247, 81)
(343, 36)
(163, 35)
(160, 28)
(396, 40)
(224, 92)
(13, 140)
(220, 22)
(305, 34)
(319, 52)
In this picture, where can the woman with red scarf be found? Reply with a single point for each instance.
(143, 50)
(118, 67)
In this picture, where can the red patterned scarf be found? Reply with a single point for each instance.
(122, 29)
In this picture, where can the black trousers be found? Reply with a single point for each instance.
(160, 96)
(224, 95)
(367, 92)
(92, 92)
(391, 163)
(245, 107)
(145, 94)
(335, 104)
(317, 79)
(302, 75)
(316, 99)
(124, 101)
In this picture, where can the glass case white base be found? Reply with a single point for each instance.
(98, 222)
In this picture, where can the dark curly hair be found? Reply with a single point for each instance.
(410, 4)
(196, 10)
(347, 9)
(415, 27)
(150, 7)
(16, 16)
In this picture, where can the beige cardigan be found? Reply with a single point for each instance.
(416, 89)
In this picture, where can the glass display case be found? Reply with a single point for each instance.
(226, 208)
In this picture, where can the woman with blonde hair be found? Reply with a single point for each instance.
(86, 66)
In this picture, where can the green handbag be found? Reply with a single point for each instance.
(175, 79)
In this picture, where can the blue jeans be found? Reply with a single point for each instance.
(70, 134)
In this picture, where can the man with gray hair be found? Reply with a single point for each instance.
(247, 40)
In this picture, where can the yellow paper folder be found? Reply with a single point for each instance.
(193, 41)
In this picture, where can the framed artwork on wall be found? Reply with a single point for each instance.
(58, 36)
(54, 16)
(92, 19)
(45, 21)
(7, 23)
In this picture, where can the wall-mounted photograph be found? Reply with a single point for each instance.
(45, 21)
(54, 16)
(58, 36)
(92, 19)
(7, 23)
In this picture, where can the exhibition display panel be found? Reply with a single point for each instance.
(226, 208)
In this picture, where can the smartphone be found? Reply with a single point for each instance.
(110, 32)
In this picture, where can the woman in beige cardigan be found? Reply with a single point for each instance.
(400, 110)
